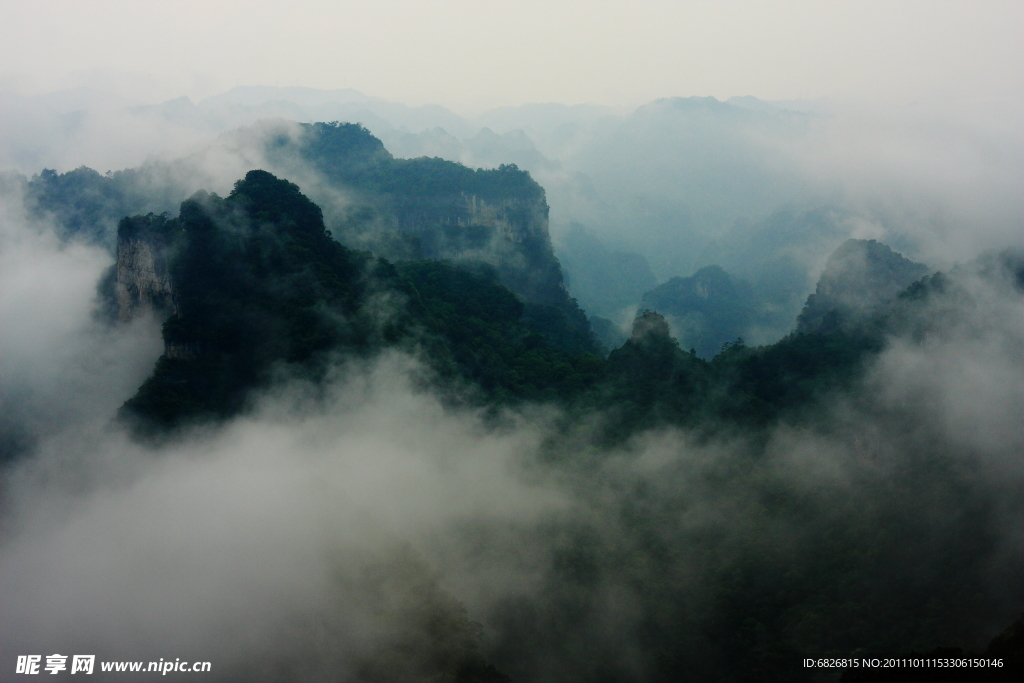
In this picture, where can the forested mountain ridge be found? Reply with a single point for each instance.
(713, 307)
(429, 208)
(255, 280)
(401, 209)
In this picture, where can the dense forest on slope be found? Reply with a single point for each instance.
(348, 153)
(258, 281)
(430, 208)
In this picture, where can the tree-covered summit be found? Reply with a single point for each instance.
(350, 154)
(268, 199)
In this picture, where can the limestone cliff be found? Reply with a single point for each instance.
(408, 209)
(142, 280)
(509, 234)
(413, 209)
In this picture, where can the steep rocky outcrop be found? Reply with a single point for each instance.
(410, 209)
(494, 220)
(430, 208)
(402, 209)
(859, 276)
(254, 282)
(509, 234)
(142, 280)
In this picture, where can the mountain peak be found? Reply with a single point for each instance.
(858, 276)
(271, 199)
(650, 326)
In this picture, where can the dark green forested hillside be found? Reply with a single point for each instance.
(85, 204)
(859, 276)
(424, 208)
(349, 153)
(488, 336)
(259, 284)
(254, 275)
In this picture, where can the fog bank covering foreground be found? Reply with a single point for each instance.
(364, 528)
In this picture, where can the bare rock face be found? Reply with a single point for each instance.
(415, 209)
(509, 234)
(143, 283)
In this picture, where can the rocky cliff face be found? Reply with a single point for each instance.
(509, 234)
(411, 209)
(516, 219)
(493, 220)
(143, 283)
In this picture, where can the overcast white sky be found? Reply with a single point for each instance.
(472, 55)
